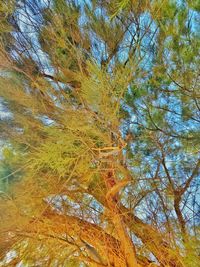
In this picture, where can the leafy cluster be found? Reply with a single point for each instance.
(100, 132)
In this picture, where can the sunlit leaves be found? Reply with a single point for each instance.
(100, 95)
(6, 9)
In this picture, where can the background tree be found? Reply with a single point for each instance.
(100, 163)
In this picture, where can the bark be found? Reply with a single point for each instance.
(126, 243)
(177, 200)
(150, 236)
(153, 239)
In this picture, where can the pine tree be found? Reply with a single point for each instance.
(99, 163)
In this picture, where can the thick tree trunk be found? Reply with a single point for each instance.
(126, 243)
(150, 236)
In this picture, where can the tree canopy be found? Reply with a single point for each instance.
(99, 127)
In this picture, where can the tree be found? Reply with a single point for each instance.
(100, 163)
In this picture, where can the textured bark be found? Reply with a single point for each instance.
(126, 243)
(154, 240)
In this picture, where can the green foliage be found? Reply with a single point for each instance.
(6, 9)
(9, 167)
(194, 4)
(103, 97)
